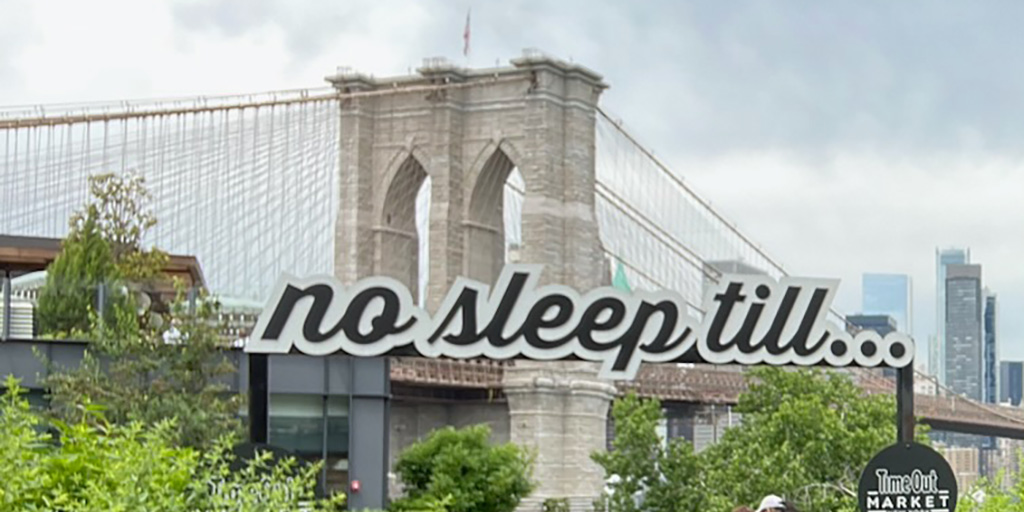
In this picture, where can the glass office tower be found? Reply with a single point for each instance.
(889, 294)
(1011, 382)
(943, 258)
(991, 388)
(963, 330)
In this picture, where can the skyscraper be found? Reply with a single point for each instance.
(943, 257)
(964, 366)
(1011, 382)
(991, 354)
(889, 294)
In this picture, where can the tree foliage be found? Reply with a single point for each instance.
(69, 297)
(118, 207)
(141, 365)
(987, 495)
(97, 466)
(463, 472)
(103, 248)
(145, 422)
(650, 475)
(805, 435)
(147, 374)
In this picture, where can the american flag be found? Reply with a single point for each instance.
(465, 36)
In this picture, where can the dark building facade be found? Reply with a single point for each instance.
(1011, 382)
(882, 324)
(991, 391)
(963, 332)
(943, 259)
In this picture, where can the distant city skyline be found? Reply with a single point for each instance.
(882, 293)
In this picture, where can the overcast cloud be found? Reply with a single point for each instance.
(845, 137)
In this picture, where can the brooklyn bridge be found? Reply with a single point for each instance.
(444, 173)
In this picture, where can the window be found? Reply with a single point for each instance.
(297, 424)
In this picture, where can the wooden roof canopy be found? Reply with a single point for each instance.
(25, 254)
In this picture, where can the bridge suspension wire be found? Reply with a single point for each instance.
(648, 193)
(689, 191)
(653, 221)
(240, 182)
(236, 162)
(644, 222)
(513, 202)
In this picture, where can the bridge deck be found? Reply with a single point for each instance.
(710, 385)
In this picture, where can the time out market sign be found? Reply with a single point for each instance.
(748, 320)
(907, 477)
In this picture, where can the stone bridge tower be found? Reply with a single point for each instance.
(467, 130)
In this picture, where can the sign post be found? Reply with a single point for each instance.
(259, 406)
(905, 404)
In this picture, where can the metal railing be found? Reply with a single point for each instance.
(20, 317)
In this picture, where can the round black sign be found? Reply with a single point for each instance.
(907, 477)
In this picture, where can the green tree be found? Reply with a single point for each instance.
(73, 280)
(805, 435)
(141, 365)
(462, 469)
(118, 207)
(651, 475)
(96, 466)
(986, 495)
(103, 248)
(993, 498)
(148, 374)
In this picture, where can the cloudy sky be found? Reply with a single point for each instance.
(846, 137)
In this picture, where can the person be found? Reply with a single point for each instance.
(742, 508)
(772, 503)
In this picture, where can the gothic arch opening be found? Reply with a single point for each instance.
(515, 189)
(423, 234)
(494, 220)
(400, 232)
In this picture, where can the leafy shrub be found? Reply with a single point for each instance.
(555, 505)
(462, 471)
(94, 466)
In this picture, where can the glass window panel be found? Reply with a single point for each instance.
(337, 426)
(296, 423)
